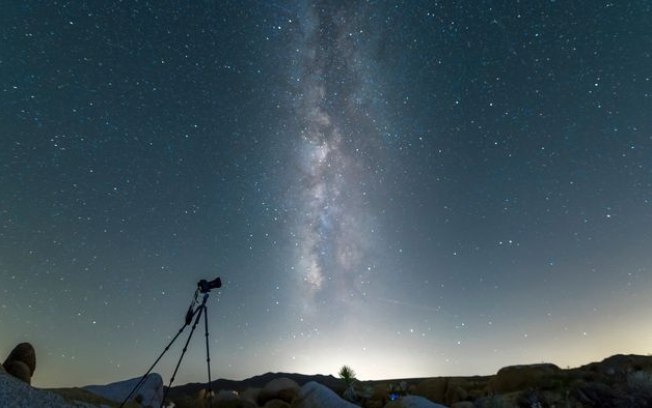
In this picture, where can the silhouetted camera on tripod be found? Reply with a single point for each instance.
(196, 313)
(205, 286)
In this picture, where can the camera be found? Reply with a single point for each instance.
(205, 286)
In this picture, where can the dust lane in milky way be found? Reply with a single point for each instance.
(334, 230)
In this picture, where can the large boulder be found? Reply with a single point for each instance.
(15, 393)
(223, 399)
(413, 401)
(315, 395)
(455, 393)
(283, 389)
(21, 362)
(621, 365)
(19, 370)
(449, 390)
(222, 395)
(517, 378)
(250, 395)
(150, 393)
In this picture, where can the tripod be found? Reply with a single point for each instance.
(203, 287)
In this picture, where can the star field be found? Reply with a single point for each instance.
(409, 188)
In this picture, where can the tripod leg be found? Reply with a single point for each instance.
(144, 377)
(183, 352)
(208, 359)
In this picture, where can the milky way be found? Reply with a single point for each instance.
(334, 232)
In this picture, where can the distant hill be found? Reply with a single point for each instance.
(258, 381)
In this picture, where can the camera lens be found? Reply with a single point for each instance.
(216, 283)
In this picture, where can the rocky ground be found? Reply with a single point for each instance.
(621, 381)
(15, 393)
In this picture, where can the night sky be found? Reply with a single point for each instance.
(410, 188)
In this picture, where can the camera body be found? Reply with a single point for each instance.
(205, 286)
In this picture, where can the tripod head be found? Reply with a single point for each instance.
(205, 286)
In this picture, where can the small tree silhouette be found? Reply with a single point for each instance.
(348, 376)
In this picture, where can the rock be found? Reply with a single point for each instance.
(224, 395)
(23, 353)
(443, 390)
(250, 395)
(15, 393)
(223, 399)
(463, 404)
(413, 401)
(151, 393)
(315, 395)
(433, 389)
(19, 370)
(455, 393)
(283, 389)
(516, 378)
(621, 364)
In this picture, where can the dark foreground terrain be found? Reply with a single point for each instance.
(618, 381)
